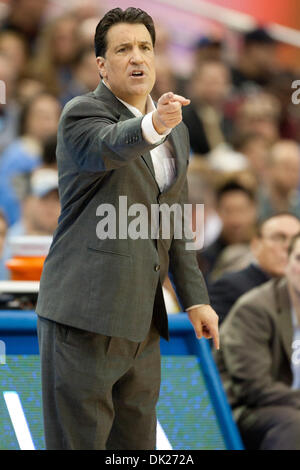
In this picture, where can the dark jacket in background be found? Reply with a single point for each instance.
(227, 289)
(198, 138)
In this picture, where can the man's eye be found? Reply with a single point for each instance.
(122, 49)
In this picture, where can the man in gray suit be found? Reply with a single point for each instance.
(100, 307)
(260, 360)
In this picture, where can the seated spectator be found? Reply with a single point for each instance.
(41, 207)
(207, 124)
(236, 207)
(256, 149)
(233, 258)
(85, 76)
(13, 45)
(208, 48)
(48, 160)
(280, 87)
(56, 50)
(26, 18)
(269, 247)
(202, 198)
(259, 369)
(259, 113)
(28, 88)
(38, 121)
(257, 60)
(281, 193)
(223, 159)
(165, 78)
(86, 30)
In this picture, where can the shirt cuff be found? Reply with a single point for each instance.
(194, 306)
(149, 133)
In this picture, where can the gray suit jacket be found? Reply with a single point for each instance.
(256, 348)
(109, 286)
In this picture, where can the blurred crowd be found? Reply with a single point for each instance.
(244, 167)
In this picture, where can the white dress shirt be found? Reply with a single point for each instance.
(163, 160)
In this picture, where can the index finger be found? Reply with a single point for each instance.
(171, 97)
(181, 99)
(215, 336)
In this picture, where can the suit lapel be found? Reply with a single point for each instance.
(148, 160)
(285, 316)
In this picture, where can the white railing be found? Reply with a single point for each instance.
(235, 20)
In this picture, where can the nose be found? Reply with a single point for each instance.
(136, 56)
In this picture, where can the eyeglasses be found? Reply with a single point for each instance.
(279, 238)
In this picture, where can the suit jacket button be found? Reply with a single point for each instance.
(157, 267)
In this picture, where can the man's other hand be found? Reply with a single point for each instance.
(205, 322)
(168, 113)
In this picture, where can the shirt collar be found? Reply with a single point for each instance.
(150, 106)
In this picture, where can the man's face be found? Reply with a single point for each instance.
(271, 248)
(42, 120)
(42, 213)
(238, 215)
(293, 268)
(128, 66)
(211, 84)
(284, 173)
(263, 56)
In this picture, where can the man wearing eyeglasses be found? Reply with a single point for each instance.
(260, 358)
(269, 247)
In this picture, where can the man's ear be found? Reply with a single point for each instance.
(101, 66)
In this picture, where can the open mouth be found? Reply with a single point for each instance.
(137, 74)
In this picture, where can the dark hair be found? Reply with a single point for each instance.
(258, 229)
(232, 186)
(117, 15)
(258, 36)
(293, 243)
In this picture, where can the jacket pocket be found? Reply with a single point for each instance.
(107, 251)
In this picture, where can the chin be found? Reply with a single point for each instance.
(140, 89)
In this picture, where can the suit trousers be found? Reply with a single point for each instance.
(99, 392)
(271, 428)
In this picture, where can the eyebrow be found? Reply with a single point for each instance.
(129, 44)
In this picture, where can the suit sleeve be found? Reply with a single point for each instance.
(245, 338)
(96, 141)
